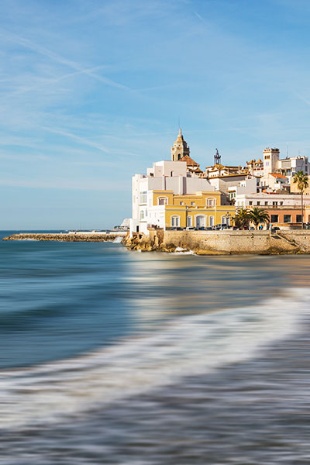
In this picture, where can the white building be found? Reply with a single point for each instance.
(163, 176)
(287, 166)
(265, 200)
(290, 166)
(234, 185)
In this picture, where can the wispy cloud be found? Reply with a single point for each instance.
(63, 184)
(43, 82)
(45, 52)
(79, 139)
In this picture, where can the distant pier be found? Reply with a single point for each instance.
(71, 236)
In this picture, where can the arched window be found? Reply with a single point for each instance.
(200, 221)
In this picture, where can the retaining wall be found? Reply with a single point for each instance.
(226, 242)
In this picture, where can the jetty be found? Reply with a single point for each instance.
(71, 236)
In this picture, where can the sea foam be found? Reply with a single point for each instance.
(186, 346)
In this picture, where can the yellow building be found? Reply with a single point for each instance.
(198, 210)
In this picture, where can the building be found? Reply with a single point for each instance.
(180, 148)
(274, 182)
(284, 209)
(170, 196)
(278, 173)
(177, 194)
(180, 152)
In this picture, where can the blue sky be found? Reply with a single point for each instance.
(92, 92)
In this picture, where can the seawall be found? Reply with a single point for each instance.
(223, 242)
(68, 237)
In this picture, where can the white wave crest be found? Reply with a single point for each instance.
(188, 346)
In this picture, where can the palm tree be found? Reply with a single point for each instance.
(258, 216)
(302, 182)
(242, 218)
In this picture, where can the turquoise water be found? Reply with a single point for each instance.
(111, 356)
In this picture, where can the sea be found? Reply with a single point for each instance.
(111, 356)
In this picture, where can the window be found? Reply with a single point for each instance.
(281, 203)
(210, 202)
(274, 218)
(258, 203)
(200, 221)
(189, 221)
(250, 202)
(298, 218)
(143, 197)
(162, 200)
(287, 218)
(274, 204)
(211, 222)
(142, 215)
(181, 203)
(175, 221)
(266, 203)
(192, 204)
(225, 220)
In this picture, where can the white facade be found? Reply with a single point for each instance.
(246, 186)
(164, 175)
(235, 184)
(270, 200)
(274, 182)
(290, 166)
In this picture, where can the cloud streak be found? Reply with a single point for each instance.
(46, 53)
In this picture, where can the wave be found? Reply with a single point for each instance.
(187, 346)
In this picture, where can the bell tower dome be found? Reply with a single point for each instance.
(179, 148)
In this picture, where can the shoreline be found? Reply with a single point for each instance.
(227, 242)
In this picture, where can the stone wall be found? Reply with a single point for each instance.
(224, 242)
(67, 237)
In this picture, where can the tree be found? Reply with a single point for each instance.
(302, 182)
(242, 218)
(258, 216)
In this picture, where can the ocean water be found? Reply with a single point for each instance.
(116, 357)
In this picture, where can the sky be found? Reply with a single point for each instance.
(94, 91)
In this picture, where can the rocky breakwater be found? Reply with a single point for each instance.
(82, 236)
(226, 242)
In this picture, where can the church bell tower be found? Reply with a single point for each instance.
(179, 148)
